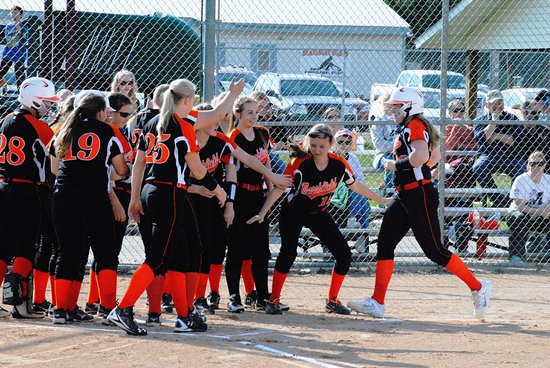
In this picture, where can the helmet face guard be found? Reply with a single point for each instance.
(410, 99)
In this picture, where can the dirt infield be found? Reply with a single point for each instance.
(429, 323)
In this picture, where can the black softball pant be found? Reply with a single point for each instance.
(166, 206)
(20, 218)
(291, 222)
(83, 218)
(414, 209)
(47, 247)
(193, 239)
(248, 242)
(213, 232)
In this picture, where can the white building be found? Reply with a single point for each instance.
(357, 42)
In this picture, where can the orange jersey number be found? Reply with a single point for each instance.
(89, 145)
(157, 152)
(15, 155)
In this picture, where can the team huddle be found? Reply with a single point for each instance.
(197, 180)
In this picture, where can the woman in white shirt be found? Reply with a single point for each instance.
(530, 209)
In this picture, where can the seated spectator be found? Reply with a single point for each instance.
(542, 100)
(383, 137)
(332, 115)
(499, 147)
(277, 133)
(530, 209)
(358, 207)
(536, 137)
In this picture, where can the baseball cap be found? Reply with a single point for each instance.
(343, 132)
(494, 95)
(88, 92)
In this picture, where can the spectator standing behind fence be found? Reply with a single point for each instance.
(125, 82)
(543, 104)
(498, 147)
(278, 133)
(382, 137)
(530, 209)
(15, 52)
(536, 137)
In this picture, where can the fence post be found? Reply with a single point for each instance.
(443, 112)
(71, 45)
(472, 79)
(209, 49)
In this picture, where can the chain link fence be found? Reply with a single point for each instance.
(336, 61)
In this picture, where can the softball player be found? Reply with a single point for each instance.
(216, 152)
(317, 173)
(415, 204)
(81, 155)
(23, 140)
(168, 145)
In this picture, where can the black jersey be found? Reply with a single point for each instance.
(87, 161)
(258, 147)
(312, 189)
(23, 141)
(135, 128)
(165, 157)
(216, 152)
(413, 131)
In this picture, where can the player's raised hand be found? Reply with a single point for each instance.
(236, 88)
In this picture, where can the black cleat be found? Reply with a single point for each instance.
(104, 314)
(250, 299)
(124, 318)
(201, 304)
(234, 304)
(167, 304)
(213, 300)
(153, 320)
(92, 308)
(59, 316)
(80, 316)
(336, 306)
(43, 307)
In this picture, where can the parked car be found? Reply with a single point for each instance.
(303, 96)
(514, 97)
(226, 73)
(429, 79)
(361, 106)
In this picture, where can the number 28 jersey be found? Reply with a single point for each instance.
(312, 188)
(165, 157)
(87, 161)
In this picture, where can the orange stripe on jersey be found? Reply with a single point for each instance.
(45, 133)
(417, 128)
(341, 159)
(193, 116)
(294, 164)
(226, 139)
(188, 132)
(123, 140)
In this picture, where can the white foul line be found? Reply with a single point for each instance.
(289, 355)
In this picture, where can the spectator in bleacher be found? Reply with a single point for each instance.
(459, 137)
(498, 147)
(383, 137)
(278, 133)
(543, 104)
(530, 209)
(536, 137)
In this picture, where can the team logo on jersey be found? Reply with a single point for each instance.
(211, 163)
(262, 155)
(324, 188)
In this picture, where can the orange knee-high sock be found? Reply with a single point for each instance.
(22, 267)
(40, 284)
(458, 268)
(178, 291)
(201, 285)
(63, 292)
(336, 281)
(106, 282)
(139, 282)
(384, 271)
(75, 293)
(52, 289)
(3, 270)
(277, 284)
(154, 294)
(246, 273)
(215, 276)
(93, 292)
(191, 281)
(166, 287)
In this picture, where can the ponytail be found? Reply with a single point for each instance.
(178, 90)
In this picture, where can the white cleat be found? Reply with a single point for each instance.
(481, 299)
(368, 306)
(4, 313)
